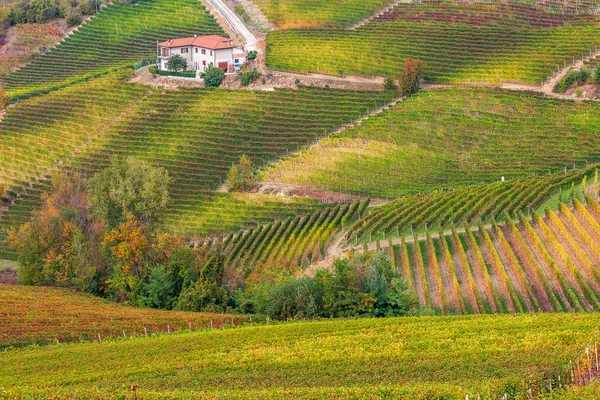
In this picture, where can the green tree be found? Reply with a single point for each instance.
(129, 188)
(176, 63)
(252, 54)
(412, 71)
(203, 289)
(213, 76)
(241, 176)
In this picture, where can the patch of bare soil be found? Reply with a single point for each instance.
(590, 91)
(287, 189)
(144, 77)
(21, 43)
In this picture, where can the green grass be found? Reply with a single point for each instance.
(445, 138)
(311, 13)
(118, 36)
(459, 43)
(416, 358)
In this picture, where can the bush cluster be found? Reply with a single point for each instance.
(575, 78)
(101, 235)
(44, 10)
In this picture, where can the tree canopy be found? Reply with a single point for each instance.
(176, 63)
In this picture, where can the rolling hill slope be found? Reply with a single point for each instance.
(444, 138)
(459, 42)
(417, 358)
(121, 34)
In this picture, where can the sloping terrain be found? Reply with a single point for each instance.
(443, 138)
(459, 42)
(121, 34)
(416, 358)
(47, 315)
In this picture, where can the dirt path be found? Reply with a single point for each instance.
(323, 195)
(234, 23)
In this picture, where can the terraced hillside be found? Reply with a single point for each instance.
(293, 242)
(544, 264)
(470, 204)
(445, 138)
(196, 134)
(459, 42)
(45, 315)
(119, 35)
(311, 13)
(416, 358)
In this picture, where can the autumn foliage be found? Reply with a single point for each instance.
(409, 77)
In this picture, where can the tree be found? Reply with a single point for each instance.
(389, 84)
(213, 76)
(205, 291)
(4, 99)
(409, 77)
(176, 63)
(129, 188)
(241, 176)
(73, 19)
(61, 244)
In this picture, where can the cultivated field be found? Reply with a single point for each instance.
(444, 138)
(416, 358)
(459, 42)
(301, 14)
(121, 34)
(47, 315)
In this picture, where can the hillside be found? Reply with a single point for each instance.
(459, 42)
(420, 358)
(46, 315)
(123, 33)
(444, 138)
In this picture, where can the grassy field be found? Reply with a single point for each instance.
(42, 315)
(311, 13)
(416, 358)
(119, 35)
(459, 43)
(445, 138)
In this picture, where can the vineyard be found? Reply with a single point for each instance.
(49, 315)
(196, 134)
(416, 358)
(459, 43)
(295, 14)
(119, 35)
(291, 243)
(543, 264)
(470, 204)
(445, 138)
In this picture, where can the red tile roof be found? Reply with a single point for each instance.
(213, 42)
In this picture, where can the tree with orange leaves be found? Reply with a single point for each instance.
(412, 71)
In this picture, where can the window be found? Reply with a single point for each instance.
(204, 51)
(237, 61)
(196, 50)
(165, 52)
(211, 52)
(184, 50)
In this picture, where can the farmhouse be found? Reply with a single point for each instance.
(202, 51)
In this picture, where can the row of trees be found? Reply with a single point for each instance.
(44, 10)
(101, 235)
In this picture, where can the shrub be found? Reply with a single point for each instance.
(4, 99)
(213, 76)
(389, 84)
(176, 63)
(73, 19)
(153, 70)
(251, 55)
(241, 176)
(248, 75)
(412, 70)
